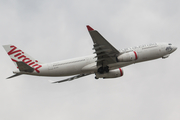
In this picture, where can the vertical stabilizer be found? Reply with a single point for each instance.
(17, 55)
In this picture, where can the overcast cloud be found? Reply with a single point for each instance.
(56, 30)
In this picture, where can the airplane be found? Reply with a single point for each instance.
(106, 62)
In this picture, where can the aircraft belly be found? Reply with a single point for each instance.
(90, 67)
(70, 70)
(148, 54)
(119, 65)
(67, 69)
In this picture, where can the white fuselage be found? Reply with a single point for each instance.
(87, 64)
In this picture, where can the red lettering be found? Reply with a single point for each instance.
(12, 51)
(31, 63)
(36, 69)
(14, 60)
(24, 60)
(17, 54)
(34, 65)
(22, 56)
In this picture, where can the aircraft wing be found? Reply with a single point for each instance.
(72, 78)
(105, 52)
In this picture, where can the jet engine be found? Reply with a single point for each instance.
(126, 57)
(111, 74)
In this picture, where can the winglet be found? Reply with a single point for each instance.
(89, 28)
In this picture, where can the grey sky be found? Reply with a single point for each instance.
(55, 30)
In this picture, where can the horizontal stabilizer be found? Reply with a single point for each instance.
(24, 67)
(15, 75)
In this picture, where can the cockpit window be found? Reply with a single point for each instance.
(169, 44)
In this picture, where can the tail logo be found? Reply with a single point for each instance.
(19, 54)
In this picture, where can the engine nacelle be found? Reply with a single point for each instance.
(126, 57)
(111, 74)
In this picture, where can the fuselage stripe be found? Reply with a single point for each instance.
(135, 55)
(121, 71)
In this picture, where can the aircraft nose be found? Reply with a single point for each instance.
(174, 48)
